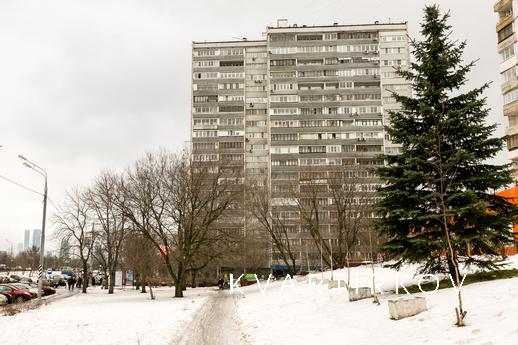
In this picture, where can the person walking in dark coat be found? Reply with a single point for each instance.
(70, 283)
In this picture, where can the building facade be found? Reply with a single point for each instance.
(26, 239)
(36, 238)
(505, 30)
(296, 110)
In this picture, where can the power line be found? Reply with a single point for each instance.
(30, 190)
(20, 185)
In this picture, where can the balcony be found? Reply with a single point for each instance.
(502, 5)
(504, 22)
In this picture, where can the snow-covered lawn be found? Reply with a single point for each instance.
(126, 317)
(316, 315)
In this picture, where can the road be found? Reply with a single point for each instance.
(216, 323)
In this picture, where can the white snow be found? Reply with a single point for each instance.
(126, 317)
(317, 315)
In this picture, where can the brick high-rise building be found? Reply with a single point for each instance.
(290, 109)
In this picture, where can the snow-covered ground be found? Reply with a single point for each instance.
(316, 315)
(126, 317)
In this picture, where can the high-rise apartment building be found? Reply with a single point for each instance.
(506, 29)
(36, 238)
(297, 108)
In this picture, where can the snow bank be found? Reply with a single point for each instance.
(297, 313)
(126, 317)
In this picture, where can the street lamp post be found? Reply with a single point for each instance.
(42, 172)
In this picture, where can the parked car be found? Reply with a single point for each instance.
(17, 294)
(29, 289)
(3, 300)
(8, 297)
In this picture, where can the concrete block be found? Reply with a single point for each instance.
(406, 307)
(360, 293)
(333, 284)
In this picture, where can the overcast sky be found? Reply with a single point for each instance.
(88, 85)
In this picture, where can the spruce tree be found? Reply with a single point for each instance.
(438, 204)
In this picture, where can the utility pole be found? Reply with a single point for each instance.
(42, 172)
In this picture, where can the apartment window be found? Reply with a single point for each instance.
(284, 98)
(283, 50)
(283, 87)
(284, 124)
(231, 86)
(331, 36)
(205, 158)
(231, 109)
(204, 146)
(285, 149)
(312, 149)
(232, 75)
(231, 145)
(311, 111)
(205, 122)
(282, 75)
(367, 123)
(231, 63)
(207, 52)
(284, 162)
(282, 38)
(309, 37)
(205, 75)
(284, 137)
(505, 33)
(206, 63)
(205, 134)
(511, 97)
(284, 111)
(312, 123)
(512, 142)
(256, 111)
(509, 75)
(204, 99)
(507, 53)
(232, 51)
(205, 87)
(368, 148)
(230, 98)
(202, 110)
(231, 121)
(256, 135)
(231, 157)
(286, 62)
(256, 123)
(346, 85)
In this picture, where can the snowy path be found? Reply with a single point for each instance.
(216, 323)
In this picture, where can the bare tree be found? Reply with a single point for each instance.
(179, 206)
(74, 223)
(312, 202)
(352, 192)
(107, 201)
(273, 223)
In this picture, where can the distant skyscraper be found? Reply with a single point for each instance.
(36, 238)
(20, 247)
(26, 240)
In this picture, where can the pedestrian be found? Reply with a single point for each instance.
(73, 282)
(69, 282)
(220, 283)
(79, 282)
(225, 280)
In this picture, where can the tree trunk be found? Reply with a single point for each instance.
(178, 290)
(151, 291)
(85, 277)
(111, 282)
